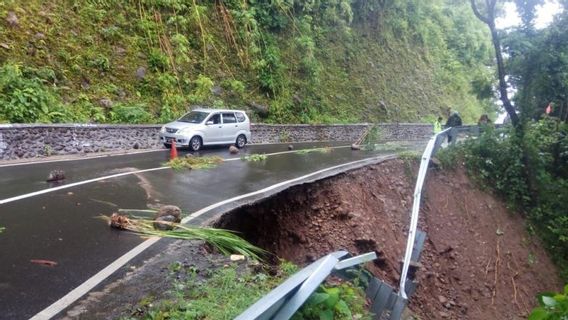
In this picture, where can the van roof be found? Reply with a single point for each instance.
(216, 110)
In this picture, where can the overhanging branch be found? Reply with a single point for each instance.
(477, 13)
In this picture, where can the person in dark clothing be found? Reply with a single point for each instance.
(454, 120)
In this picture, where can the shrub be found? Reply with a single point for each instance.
(135, 113)
(552, 306)
(26, 99)
(157, 61)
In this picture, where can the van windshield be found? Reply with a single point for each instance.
(194, 117)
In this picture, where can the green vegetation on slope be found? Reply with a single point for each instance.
(324, 61)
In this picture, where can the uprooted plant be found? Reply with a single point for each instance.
(193, 162)
(225, 241)
(318, 150)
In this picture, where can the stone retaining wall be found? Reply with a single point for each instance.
(29, 141)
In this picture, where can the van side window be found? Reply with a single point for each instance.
(229, 118)
(240, 116)
(216, 118)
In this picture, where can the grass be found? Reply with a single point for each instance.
(222, 295)
(317, 150)
(200, 295)
(409, 155)
(194, 162)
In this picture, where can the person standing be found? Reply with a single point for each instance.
(438, 125)
(483, 120)
(454, 120)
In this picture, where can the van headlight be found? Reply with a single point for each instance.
(163, 129)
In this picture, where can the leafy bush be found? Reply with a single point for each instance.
(157, 61)
(26, 99)
(344, 301)
(552, 306)
(100, 62)
(135, 113)
(202, 92)
(495, 160)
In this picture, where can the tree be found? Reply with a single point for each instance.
(539, 69)
(488, 17)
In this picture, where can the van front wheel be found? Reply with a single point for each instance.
(195, 143)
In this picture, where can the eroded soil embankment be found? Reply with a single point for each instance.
(478, 260)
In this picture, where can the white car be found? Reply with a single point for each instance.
(202, 127)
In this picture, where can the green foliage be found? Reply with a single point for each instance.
(130, 113)
(310, 61)
(409, 156)
(539, 68)
(24, 98)
(255, 158)
(202, 92)
(552, 306)
(196, 297)
(496, 160)
(157, 61)
(344, 301)
(449, 157)
(372, 138)
(100, 62)
(193, 162)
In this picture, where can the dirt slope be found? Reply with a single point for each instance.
(479, 262)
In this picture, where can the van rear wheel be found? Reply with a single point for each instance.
(241, 141)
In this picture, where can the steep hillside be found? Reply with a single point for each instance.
(286, 61)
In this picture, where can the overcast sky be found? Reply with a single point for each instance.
(544, 15)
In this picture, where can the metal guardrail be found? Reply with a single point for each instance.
(433, 145)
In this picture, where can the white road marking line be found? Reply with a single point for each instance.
(88, 285)
(71, 185)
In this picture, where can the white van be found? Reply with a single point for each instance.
(202, 127)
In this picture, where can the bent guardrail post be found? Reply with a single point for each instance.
(416, 208)
(282, 302)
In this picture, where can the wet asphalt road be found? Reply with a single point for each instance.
(63, 226)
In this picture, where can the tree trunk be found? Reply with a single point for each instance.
(501, 73)
(489, 20)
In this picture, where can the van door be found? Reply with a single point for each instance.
(230, 127)
(213, 132)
